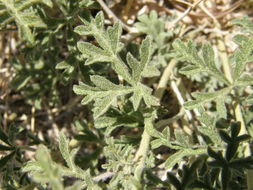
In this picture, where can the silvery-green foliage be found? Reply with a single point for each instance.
(181, 143)
(114, 86)
(209, 129)
(25, 16)
(242, 56)
(120, 160)
(46, 171)
(115, 118)
(40, 70)
(154, 26)
(245, 24)
(197, 63)
(105, 93)
(204, 61)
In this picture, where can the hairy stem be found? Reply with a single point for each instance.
(227, 72)
(237, 107)
(142, 152)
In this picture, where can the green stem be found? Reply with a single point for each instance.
(143, 150)
(142, 154)
(237, 107)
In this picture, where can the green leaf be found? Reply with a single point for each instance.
(244, 80)
(225, 137)
(26, 33)
(114, 34)
(241, 57)
(181, 139)
(231, 150)
(216, 156)
(245, 23)
(225, 177)
(139, 66)
(49, 3)
(109, 41)
(83, 30)
(221, 108)
(204, 63)
(202, 98)
(20, 81)
(24, 17)
(150, 71)
(104, 84)
(32, 20)
(145, 52)
(178, 156)
(104, 94)
(102, 105)
(66, 154)
(153, 132)
(99, 20)
(192, 70)
(235, 129)
(51, 172)
(208, 128)
(153, 26)
(93, 53)
(242, 138)
(142, 91)
(242, 162)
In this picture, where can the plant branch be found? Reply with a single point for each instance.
(237, 106)
(142, 152)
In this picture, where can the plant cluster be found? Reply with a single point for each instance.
(126, 140)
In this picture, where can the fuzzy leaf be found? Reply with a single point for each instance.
(109, 42)
(150, 71)
(143, 92)
(205, 63)
(139, 66)
(244, 80)
(44, 170)
(24, 17)
(102, 105)
(153, 26)
(66, 154)
(202, 98)
(83, 30)
(114, 34)
(245, 23)
(105, 93)
(145, 52)
(93, 53)
(178, 156)
(241, 57)
(221, 108)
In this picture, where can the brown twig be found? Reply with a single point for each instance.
(187, 11)
(114, 17)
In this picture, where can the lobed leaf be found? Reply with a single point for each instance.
(241, 57)
(202, 98)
